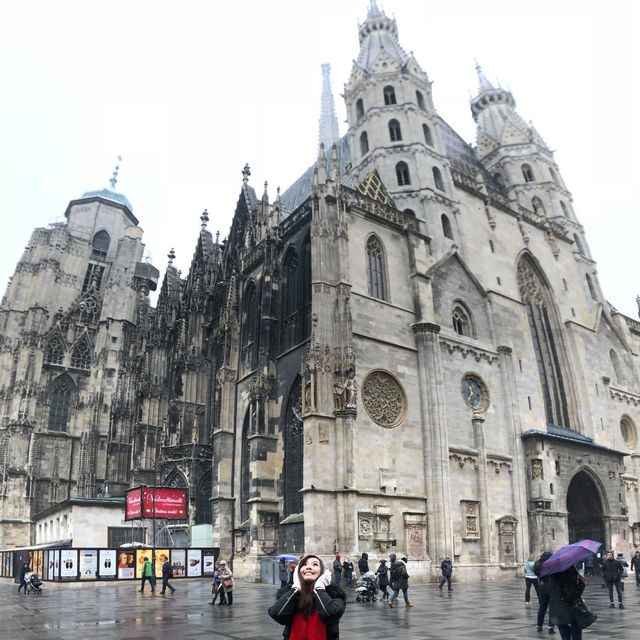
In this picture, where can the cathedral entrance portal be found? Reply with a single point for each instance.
(585, 509)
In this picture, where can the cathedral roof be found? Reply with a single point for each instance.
(107, 194)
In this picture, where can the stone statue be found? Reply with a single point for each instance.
(350, 390)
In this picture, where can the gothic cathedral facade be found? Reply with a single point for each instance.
(408, 350)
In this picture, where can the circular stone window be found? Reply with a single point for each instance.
(475, 392)
(628, 431)
(384, 398)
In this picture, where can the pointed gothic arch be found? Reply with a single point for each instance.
(100, 245)
(55, 350)
(245, 467)
(587, 507)
(618, 371)
(82, 353)
(389, 94)
(437, 178)
(176, 479)
(376, 268)
(306, 287)
(60, 396)
(428, 137)
(203, 500)
(293, 450)
(395, 132)
(291, 300)
(547, 341)
(250, 327)
(447, 232)
(364, 143)
(359, 109)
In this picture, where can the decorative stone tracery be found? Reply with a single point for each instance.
(384, 398)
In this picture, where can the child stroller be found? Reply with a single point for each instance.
(366, 587)
(34, 584)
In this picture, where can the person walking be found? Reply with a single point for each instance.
(399, 580)
(23, 580)
(337, 570)
(167, 572)
(312, 608)
(565, 590)
(612, 571)
(530, 579)
(147, 574)
(347, 570)
(363, 564)
(635, 566)
(216, 586)
(544, 594)
(625, 567)
(446, 567)
(283, 573)
(383, 578)
(226, 578)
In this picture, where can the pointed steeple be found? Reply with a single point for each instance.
(489, 96)
(379, 33)
(328, 130)
(483, 82)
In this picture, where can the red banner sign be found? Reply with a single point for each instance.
(156, 502)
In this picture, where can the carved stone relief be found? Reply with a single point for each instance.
(470, 520)
(384, 398)
(537, 470)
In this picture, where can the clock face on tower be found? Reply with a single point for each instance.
(475, 393)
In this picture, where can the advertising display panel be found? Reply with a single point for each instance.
(194, 563)
(162, 555)
(133, 504)
(167, 503)
(141, 554)
(208, 562)
(107, 564)
(88, 564)
(126, 565)
(68, 564)
(53, 564)
(179, 563)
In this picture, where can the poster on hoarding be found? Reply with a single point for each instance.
(208, 562)
(162, 555)
(126, 565)
(107, 564)
(68, 564)
(141, 556)
(179, 562)
(194, 563)
(88, 564)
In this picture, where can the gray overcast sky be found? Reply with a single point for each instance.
(189, 91)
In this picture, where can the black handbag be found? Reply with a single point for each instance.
(583, 616)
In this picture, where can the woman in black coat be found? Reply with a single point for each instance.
(383, 578)
(363, 563)
(312, 608)
(565, 590)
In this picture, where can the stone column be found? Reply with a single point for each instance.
(518, 477)
(436, 445)
(477, 420)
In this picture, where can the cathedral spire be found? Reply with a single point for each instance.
(483, 82)
(114, 176)
(328, 130)
(378, 34)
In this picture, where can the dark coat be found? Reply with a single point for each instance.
(363, 563)
(447, 568)
(635, 563)
(330, 602)
(565, 589)
(347, 567)
(399, 575)
(166, 570)
(383, 576)
(283, 572)
(612, 570)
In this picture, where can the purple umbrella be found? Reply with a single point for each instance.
(566, 557)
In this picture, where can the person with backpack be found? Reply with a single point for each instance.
(337, 570)
(446, 567)
(544, 593)
(399, 580)
(147, 575)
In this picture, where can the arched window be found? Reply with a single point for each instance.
(592, 289)
(394, 131)
(389, 95)
(437, 178)
(461, 319)
(293, 451)
(428, 138)
(547, 341)
(402, 174)
(410, 212)
(203, 500)
(359, 109)
(176, 480)
(618, 374)
(306, 287)
(420, 99)
(553, 175)
(376, 269)
(245, 468)
(537, 205)
(82, 353)
(291, 299)
(59, 402)
(54, 353)
(628, 432)
(565, 211)
(100, 245)
(364, 143)
(250, 327)
(446, 226)
(527, 173)
(576, 241)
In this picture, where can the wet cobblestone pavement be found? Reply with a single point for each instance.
(101, 611)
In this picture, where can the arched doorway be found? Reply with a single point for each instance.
(585, 509)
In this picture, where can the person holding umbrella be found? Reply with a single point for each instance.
(566, 585)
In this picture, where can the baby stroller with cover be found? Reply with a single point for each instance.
(34, 584)
(366, 587)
